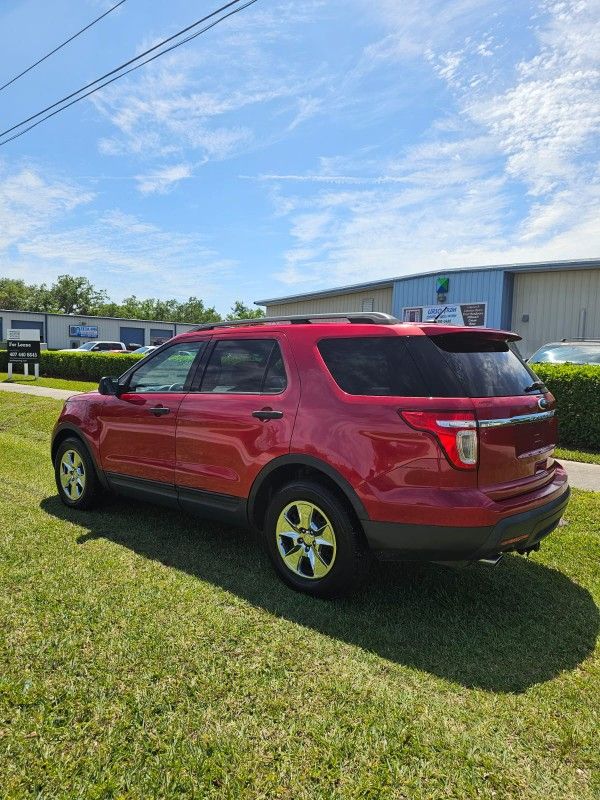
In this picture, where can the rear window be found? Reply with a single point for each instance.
(453, 365)
(486, 367)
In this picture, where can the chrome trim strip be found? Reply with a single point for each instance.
(522, 419)
(456, 423)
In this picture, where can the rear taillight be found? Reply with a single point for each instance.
(455, 431)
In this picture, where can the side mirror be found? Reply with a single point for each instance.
(110, 385)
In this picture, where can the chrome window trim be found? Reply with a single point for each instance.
(522, 419)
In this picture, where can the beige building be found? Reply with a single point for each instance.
(542, 301)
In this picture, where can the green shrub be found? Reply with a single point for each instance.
(577, 391)
(80, 366)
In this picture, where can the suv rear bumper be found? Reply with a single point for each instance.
(392, 541)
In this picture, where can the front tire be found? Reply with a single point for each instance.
(314, 541)
(75, 475)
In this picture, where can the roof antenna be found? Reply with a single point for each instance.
(445, 308)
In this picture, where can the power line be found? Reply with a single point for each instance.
(119, 68)
(60, 46)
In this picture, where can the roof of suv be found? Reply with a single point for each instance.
(319, 323)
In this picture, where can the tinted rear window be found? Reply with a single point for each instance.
(453, 365)
(373, 366)
(485, 367)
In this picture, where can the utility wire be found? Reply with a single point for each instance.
(60, 46)
(121, 67)
(132, 69)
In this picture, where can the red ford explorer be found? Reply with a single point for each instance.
(338, 438)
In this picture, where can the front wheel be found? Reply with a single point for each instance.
(314, 542)
(76, 479)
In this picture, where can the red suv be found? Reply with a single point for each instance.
(338, 437)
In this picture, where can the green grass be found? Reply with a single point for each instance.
(586, 456)
(53, 383)
(147, 654)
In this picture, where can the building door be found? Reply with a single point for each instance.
(132, 337)
(28, 325)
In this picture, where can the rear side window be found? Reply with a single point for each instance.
(485, 367)
(245, 366)
(373, 366)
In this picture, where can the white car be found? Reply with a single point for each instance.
(142, 351)
(97, 347)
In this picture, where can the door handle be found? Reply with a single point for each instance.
(159, 411)
(267, 413)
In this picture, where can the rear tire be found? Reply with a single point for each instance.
(75, 475)
(314, 541)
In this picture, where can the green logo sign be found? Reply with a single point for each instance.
(442, 285)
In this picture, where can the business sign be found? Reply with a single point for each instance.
(442, 287)
(472, 315)
(83, 331)
(23, 346)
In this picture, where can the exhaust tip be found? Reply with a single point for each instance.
(492, 561)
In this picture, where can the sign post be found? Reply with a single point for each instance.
(23, 348)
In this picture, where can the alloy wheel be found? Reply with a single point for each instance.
(306, 540)
(72, 474)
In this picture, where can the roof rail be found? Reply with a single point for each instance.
(357, 317)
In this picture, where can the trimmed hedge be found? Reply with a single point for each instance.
(80, 366)
(577, 391)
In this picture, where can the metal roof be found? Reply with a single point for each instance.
(90, 316)
(534, 266)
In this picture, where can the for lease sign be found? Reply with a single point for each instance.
(23, 346)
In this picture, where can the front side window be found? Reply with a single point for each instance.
(245, 366)
(169, 371)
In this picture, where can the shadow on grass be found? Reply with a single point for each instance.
(501, 628)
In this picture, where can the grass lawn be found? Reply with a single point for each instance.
(147, 654)
(587, 456)
(53, 383)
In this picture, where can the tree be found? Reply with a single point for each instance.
(195, 311)
(70, 295)
(240, 310)
(14, 294)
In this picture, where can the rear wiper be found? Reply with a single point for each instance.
(535, 385)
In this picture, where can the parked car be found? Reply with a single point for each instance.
(97, 347)
(572, 352)
(148, 348)
(338, 441)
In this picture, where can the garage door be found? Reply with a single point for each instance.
(550, 306)
(28, 325)
(160, 335)
(132, 337)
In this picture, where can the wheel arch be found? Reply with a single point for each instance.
(67, 431)
(292, 466)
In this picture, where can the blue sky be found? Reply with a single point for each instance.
(300, 145)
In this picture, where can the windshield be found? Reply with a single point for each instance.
(86, 346)
(573, 353)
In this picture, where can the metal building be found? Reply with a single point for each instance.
(71, 330)
(542, 301)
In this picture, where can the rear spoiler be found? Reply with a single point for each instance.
(433, 329)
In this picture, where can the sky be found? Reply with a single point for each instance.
(299, 145)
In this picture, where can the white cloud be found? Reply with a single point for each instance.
(163, 180)
(43, 235)
(513, 175)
